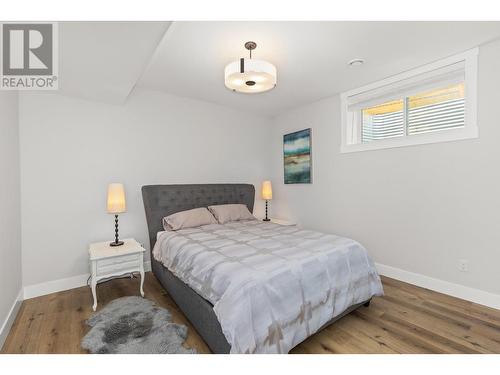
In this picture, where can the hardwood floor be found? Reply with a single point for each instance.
(408, 319)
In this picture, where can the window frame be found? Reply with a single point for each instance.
(469, 131)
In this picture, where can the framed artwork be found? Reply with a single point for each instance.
(297, 157)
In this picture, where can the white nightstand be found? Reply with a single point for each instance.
(107, 262)
(282, 222)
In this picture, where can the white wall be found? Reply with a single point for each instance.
(71, 149)
(419, 208)
(10, 221)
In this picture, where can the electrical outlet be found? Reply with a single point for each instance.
(463, 265)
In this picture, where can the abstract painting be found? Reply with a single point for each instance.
(297, 157)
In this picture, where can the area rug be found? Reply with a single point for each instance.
(134, 325)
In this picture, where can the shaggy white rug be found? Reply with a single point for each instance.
(134, 325)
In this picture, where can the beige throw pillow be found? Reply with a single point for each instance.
(189, 219)
(225, 213)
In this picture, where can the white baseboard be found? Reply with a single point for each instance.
(48, 287)
(456, 290)
(42, 289)
(10, 318)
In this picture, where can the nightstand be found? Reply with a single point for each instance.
(107, 262)
(282, 222)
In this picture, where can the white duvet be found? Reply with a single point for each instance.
(271, 286)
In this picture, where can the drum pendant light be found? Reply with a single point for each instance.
(250, 76)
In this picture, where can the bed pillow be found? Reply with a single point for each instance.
(189, 219)
(224, 213)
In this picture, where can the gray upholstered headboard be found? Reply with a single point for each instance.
(163, 200)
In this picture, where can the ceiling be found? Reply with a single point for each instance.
(188, 58)
(103, 60)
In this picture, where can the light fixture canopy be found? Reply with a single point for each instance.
(356, 62)
(250, 76)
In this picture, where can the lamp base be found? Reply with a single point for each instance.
(119, 243)
(266, 219)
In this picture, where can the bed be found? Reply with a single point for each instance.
(219, 318)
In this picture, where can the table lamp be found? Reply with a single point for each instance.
(116, 205)
(267, 194)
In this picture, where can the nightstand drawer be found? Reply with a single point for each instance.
(118, 259)
(118, 264)
(117, 268)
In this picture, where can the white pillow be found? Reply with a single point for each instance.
(189, 219)
(224, 213)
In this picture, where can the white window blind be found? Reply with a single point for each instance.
(383, 125)
(430, 104)
(445, 115)
(441, 108)
(447, 75)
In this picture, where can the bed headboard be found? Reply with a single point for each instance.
(163, 200)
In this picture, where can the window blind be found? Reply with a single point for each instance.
(383, 126)
(446, 115)
(433, 103)
(447, 75)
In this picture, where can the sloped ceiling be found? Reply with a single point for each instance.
(103, 60)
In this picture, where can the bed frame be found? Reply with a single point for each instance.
(163, 200)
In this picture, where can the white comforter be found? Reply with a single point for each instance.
(271, 286)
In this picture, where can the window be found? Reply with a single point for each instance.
(383, 121)
(434, 103)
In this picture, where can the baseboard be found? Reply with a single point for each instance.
(456, 290)
(10, 318)
(48, 287)
(54, 286)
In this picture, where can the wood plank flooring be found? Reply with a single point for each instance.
(408, 319)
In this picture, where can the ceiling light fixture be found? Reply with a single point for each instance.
(250, 76)
(356, 62)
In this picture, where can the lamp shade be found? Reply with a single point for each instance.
(250, 76)
(267, 190)
(116, 199)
